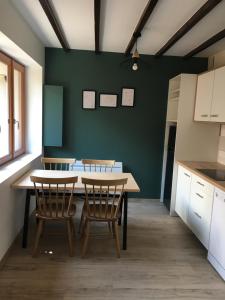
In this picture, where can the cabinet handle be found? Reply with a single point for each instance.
(199, 195)
(197, 215)
(204, 116)
(186, 174)
(200, 183)
(214, 116)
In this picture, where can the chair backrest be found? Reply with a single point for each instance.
(54, 196)
(51, 163)
(96, 165)
(103, 197)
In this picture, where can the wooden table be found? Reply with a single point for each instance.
(25, 183)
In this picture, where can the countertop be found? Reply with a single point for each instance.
(194, 165)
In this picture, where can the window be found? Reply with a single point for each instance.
(12, 119)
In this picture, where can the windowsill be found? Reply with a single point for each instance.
(11, 168)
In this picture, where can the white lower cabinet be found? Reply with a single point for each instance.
(200, 209)
(194, 200)
(183, 193)
(216, 254)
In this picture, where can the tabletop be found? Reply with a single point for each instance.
(24, 182)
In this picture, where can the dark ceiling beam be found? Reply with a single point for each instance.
(97, 9)
(201, 13)
(141, 23)
(55, 23)
(215, 38)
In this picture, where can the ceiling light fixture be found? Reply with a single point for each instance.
(135, 55)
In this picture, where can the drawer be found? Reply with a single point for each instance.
(201, 202)
(185, 172)
(201, 186)
(199, 226)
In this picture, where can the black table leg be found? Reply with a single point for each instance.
(121, 212)
(125, 203)
(26, 219)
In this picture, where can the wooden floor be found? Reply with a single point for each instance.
(163, 261)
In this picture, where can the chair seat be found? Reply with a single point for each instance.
(101, 212)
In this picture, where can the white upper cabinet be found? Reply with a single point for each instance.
(210, 96)
(218, 103)
(204, 96)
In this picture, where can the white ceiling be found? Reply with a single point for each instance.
(118, 21)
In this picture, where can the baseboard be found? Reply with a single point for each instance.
(6, 255)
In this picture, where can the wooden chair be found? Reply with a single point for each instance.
(50, 163)
(102, 204)
(55, 202)
(95, 165)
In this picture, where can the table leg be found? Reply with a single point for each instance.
(26, 219)
(121, 212)
(125, 203)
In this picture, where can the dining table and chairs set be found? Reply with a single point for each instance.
(61, 182)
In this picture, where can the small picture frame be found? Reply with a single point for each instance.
(108, 100)
(88, 99)
(128, 97)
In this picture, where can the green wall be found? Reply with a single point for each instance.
(134, 136)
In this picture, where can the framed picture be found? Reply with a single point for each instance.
(128, 96)
(108, 100)
(88, 99)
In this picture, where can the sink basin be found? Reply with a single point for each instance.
(216, 174)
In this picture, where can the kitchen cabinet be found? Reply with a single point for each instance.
(210, 96)
(218, 99)
(200, 208)
(195, 141)
(194, 200)
(204, 95)
(183, 193)
(216, 254)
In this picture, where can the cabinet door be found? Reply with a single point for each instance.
(204, 96)
(183, 193)
(217, 233)
(218, 99)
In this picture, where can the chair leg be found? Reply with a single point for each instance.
(43, 227)
(81, 223)
(109, 226)
(113, 230)
(86, 237)
(70, 238)
(37, 238)
(73, 227)
(117, 241)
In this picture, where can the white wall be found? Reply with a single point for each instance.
(34, 77)
(15, 28)
(18, 40)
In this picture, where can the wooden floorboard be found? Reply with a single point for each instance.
(163, 261)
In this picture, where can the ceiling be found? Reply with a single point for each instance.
(118, 20)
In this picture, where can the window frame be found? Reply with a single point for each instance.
(17, 66)
(14, 65)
